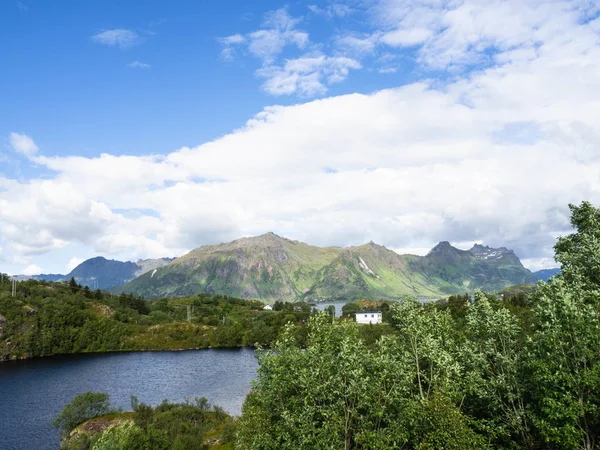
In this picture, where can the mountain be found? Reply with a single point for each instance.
(102, 273)
(545, 274)
(271, 267)
(266, 266)
(41, 277)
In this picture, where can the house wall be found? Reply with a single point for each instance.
(370, 318)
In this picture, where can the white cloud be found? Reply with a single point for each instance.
(119, 37)
(32, 269)
(492, 156)
(278, 31)
(335, 9)
(406, 37)
(138, 65)
(357, 45)
(74, 262)
(535, 264)
(229, 45)
(23, 144)
(307, 76)
(234, 39)
(458, 34)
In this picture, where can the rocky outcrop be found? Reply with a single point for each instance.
(3, 323)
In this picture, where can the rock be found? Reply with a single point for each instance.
(29, 310)
(3, 322)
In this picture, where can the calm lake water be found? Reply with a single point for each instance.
(33, 392)
(339, 305)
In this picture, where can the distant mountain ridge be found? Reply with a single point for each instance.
(271, 267)
(546, 274)
(102, 273)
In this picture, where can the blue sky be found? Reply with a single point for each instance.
(145, 129)
(65, 87)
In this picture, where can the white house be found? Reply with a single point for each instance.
(368, 317)
(268, 308)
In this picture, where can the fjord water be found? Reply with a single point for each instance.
(33, 392)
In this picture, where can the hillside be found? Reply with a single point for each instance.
(271, 267)
(267, 267)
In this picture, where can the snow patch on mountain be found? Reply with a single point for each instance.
(363, 266)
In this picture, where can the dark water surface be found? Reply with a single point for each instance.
(33, 392)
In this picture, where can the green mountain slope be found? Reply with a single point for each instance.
(267, 266)
(274, 268)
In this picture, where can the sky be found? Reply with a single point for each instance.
(145, 129)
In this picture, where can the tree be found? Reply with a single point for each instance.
(74, 285)
(340, 394)
(349, 310)
(564, 367)
(491, 357)
(579, 252)
(82, 408)
(426, 339)
(330, 310)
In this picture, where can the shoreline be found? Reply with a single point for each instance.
(28, 358)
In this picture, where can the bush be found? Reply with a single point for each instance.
(82, 408)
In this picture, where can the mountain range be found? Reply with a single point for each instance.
(102, 273)
(271, 267)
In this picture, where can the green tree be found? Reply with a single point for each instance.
(492, 357)
(579, 252)
(81, 408)
(564, 365)
(426, 339)
(349, 310)
(340, 394)
(74, 285)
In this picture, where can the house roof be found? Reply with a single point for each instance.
(369, 311)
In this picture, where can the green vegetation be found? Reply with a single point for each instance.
(82, 408)
(518, 371)
(273, 268)
(58, 318)
(178, 426)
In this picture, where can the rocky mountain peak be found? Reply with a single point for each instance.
(443, 248)
(488, 253)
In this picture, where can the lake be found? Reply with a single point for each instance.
(339, 305)
(33, 392)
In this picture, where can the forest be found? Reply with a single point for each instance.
(47, 318)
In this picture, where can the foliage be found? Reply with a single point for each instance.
(579, 252)
(520, 370)
(48, 318)
(81, 408)
(564, 360)
(193, 424)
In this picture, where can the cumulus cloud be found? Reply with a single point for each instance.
(493, 156)
(459, 34)
(118, 37)
(23, 143)
(32, 269)
(308, 75)
(278, 31)
(74, 262)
